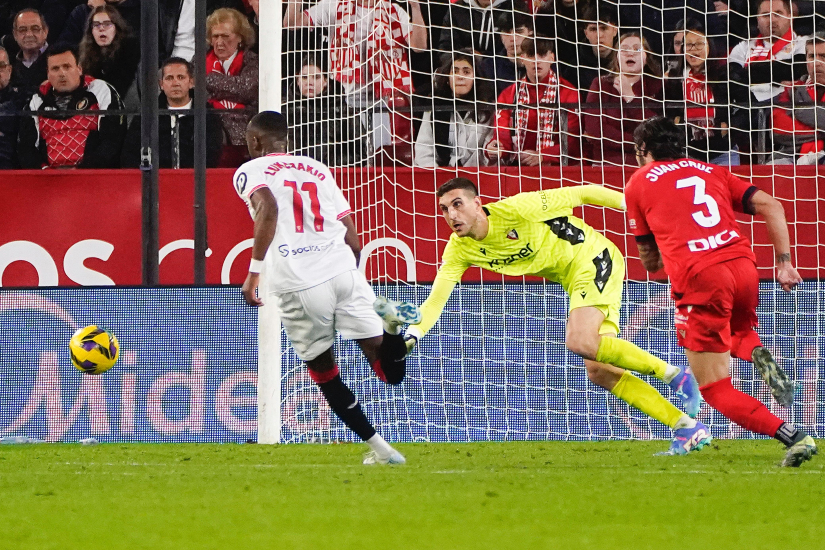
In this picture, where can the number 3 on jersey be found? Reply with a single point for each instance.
(311, 188)
(700, 197)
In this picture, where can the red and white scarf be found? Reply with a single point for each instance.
(548, 91)
(386, 54)
(214, 65)
(698, 92)
(761, 52)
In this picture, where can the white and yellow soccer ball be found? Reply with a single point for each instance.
(94, 350)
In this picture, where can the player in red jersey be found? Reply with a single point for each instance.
(682, 214)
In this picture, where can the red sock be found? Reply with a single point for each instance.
(323, 377)
(741, 408)
(742, 345)
(379, 372)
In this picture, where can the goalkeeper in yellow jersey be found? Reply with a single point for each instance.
(536, 234)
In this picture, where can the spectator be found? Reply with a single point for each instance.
(469, 24)
(368, 55)
(29, 67)
(77, 23)
(11, 103)
(232, 78)
(675, 60)
(108, 50)
(698, 99)
(757, 70)
(533, 131)
(52, 139)
(504, 68)
(631, 93)
(321, 125)
(177, 25)
(176, 130)
(757, 67)
(799, 117)
(460, 124)
(600, 26)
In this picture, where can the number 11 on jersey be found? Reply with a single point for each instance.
(311, 188)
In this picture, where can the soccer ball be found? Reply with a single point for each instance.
(94, 350)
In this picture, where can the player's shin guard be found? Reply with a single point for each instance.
(627, 355)
(343, 402)
(391, 366)
(639, 394)
(741, 408)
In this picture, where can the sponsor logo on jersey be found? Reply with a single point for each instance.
(285, 251)
(240, 183)
(714, 241)
(525, 252)
(632, 223)
(512, 235)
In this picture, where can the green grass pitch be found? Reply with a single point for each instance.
(611, 495)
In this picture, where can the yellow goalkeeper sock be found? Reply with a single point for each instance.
(639, 394)
(627, 355)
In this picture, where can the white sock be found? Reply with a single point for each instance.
(380, 446)
(684, 422)
(670, 373)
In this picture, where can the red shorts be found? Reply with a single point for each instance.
(717, 312)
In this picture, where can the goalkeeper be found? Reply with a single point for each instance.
(536, 234)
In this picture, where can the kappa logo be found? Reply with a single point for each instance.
(512, 235)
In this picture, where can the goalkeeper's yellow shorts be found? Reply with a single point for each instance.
(598, 283)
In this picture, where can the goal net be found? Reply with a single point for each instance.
(400, 97)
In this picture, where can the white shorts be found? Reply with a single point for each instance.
(344, 303)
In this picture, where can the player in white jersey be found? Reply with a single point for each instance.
(305, 234)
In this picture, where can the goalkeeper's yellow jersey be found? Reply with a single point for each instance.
(529, 234)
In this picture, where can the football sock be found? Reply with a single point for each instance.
(391, 366)
(789, 434)
(380, 446)
(742, 345)
(639, 394)
(741, 408)
(627, 355)
(343, 402)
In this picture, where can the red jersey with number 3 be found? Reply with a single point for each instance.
(687, 207)
(309, 246)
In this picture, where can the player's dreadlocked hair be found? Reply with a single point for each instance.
(660, 137)
(457, 183)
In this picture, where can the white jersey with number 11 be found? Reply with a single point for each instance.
(309, 246)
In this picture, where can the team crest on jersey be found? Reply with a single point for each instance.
(512, 235)
(82, 104)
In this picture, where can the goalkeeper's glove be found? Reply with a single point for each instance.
(410, 341)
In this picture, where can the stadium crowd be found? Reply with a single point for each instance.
(436, 83)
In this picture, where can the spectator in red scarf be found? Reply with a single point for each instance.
(232, 78)
(799, 120)
(631, 93)
(531, 133)
(53, 139)
(697, 98)
(758, 67)
(369, 42)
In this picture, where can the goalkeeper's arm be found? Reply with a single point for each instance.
(430, 310)
(598, 195)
